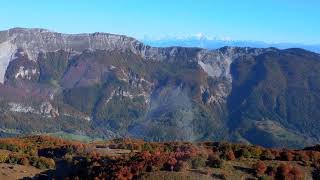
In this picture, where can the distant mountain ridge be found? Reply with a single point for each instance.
(102, 85)
(207, 42)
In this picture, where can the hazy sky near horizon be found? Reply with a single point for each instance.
(296, 21)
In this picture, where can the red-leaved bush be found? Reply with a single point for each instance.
(259, 168)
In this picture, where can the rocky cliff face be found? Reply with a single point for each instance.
(35, 41)
(106, 85)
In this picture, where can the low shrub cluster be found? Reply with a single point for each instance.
(282, 172)
(215, 161)
(259, 168)
(37, 151)
(36, 161)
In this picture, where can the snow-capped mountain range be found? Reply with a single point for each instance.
(213, 42)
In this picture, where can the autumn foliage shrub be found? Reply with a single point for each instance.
(230, 155)
(182, 166)
(286, 171)
(255, 152)
(271, 171)
(259, 168)
(283, 171)
(24, 161)
(8, 144)
(316, 164)
(303, 157)
(314, 156)
(286, 155)
(4, 156)
(267, 155)
(243, 152)
(276, 154)
(14, 158)
(170, 164)
(36, 161)
(215, 161)
(42, 162)
(169, 148)
(225, 146)
(198, 162)
(296, 173)
(147, 147)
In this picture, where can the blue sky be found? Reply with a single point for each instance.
(296, 21)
